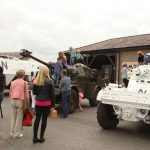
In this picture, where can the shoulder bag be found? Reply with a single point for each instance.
(26, 105)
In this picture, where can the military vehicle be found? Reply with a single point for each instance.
(82, 77)
(131, 104)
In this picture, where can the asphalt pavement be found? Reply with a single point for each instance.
(78, 132)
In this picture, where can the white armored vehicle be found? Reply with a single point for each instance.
(130, 104)
(12, 64)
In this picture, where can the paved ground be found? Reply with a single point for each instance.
(79, 132)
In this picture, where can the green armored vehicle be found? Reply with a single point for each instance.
(82, 77)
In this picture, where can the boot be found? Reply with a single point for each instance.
(42, 139)
(35, 140)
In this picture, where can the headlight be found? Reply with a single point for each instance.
(142, 113)
(117, 109)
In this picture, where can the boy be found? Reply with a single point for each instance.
(65, 87)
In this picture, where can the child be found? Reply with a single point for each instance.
(79, 57)
(65, 87)
(63, 59)
(81, 95)
(57, 70)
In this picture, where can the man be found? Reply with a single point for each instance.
(65, 87)
(72, 56)
(124, 72)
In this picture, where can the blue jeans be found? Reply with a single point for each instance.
(72, 60)
(1, 97)
(56, 76)
(65, 100)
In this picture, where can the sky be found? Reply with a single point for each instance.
(46, 27)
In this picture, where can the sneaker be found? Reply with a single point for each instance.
(11, 134)
(18, 135)
(81, 109)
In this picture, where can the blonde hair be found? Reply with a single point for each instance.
(43, 73)
(20, 73)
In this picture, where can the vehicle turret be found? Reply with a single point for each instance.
(26, 53)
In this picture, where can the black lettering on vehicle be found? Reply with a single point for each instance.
(141, 91)
(4, 65)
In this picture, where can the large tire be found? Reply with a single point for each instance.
(73, 101)
(106, 116)
(93, 102)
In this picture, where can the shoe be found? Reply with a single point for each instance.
(11, 134)
(42, 140)
(35, 140)
(18, 135)
(81, 109)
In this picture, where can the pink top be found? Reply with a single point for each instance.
(43, 103)
(81, 95)
(17, 90)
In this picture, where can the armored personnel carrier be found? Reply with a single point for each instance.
(131, 104)
(82, 77)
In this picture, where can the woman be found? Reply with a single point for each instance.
(43, 88)
(19, 98)
(2, 85)
(140, 57)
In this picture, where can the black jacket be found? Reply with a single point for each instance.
(2, 82)
(45, 92)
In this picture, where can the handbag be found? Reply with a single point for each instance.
(27, 119)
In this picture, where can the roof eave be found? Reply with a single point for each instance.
(115, 49)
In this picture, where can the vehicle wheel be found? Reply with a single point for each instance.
(106, 116)
(93, 102)
(73, 101)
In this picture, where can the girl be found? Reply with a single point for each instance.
(81, 95)
(63, 59)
